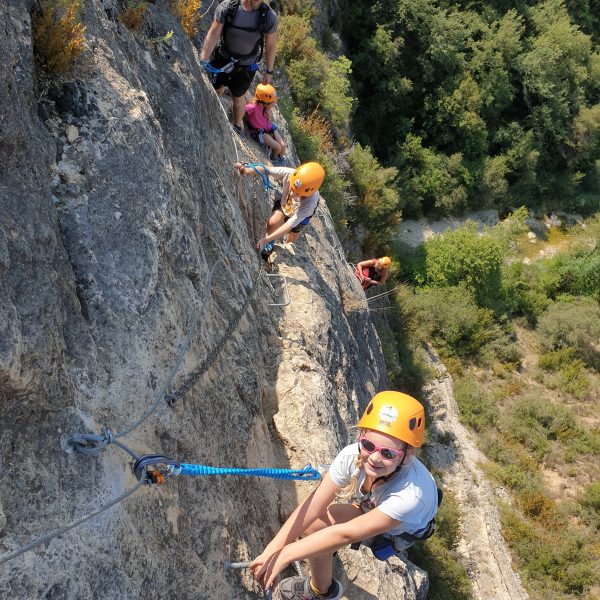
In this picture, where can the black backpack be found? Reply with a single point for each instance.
(263, 13)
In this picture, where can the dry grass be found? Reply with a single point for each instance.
(133, 15)
(188, 14)
(319, 127)
(58, 34)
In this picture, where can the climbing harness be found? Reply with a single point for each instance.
(383, 546)
(262, 29)
(228, 68)
(157, 469)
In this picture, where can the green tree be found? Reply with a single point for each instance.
(464, 257)
(379, 205)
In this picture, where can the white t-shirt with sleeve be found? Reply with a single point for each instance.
(410, 496)
(296, 209)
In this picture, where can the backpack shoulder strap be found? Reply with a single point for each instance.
(232, 9)
(263, 17)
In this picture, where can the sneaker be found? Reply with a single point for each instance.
(267, 250)
(298, 588)
(239, 130)
(279, 161)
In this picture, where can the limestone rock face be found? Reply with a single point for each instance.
(126, 244)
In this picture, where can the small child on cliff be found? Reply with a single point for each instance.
(258, 119)
(395, 500)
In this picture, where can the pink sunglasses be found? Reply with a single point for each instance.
(386, 453)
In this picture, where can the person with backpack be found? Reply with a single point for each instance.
(240, 31)
(393, 500)
(258, 119)
(298, 202)
(373, 272)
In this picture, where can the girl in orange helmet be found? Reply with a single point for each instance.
(259, 112)
(395, 500)
(293, 210)
(373, 272)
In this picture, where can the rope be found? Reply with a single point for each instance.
(383, 294)
(212, 356)
(263, 174)
(57, 532)
(306, 474)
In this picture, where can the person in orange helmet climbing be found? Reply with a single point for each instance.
(373, 272)
(259, 113)
(293, 210)
(394, 500)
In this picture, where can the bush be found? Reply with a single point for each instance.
(590, 501)
(451, 319)
(58, 34)
(572, 323)
(477, 409)
(316, 81)
(558, 563)
(464, 257)
(520, 294)
(537, 506)
(132, 15)
(571, 373)
(534, 423)
(511, 465)
(188, 15)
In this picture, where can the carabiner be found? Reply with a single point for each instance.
(153, 469)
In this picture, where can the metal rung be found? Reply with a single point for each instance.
(244, 565)
(286, 292)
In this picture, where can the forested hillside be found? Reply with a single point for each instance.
(480, 103)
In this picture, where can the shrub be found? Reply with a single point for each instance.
(520, 294)
(534, 423)
(550, 562)
(188, 15)
(58, 34)
(477, 409)
(571, 373)
(464, 257)
(590, 501)
(572, 323)
(133, 14)
(450, 318)
(511, 228)
(537, 506)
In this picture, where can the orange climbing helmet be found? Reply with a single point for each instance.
(385, 262)
(396, 414)
(307, 179)
(265, 93)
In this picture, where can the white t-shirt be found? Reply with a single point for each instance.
(296, 209)
(410, 496)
